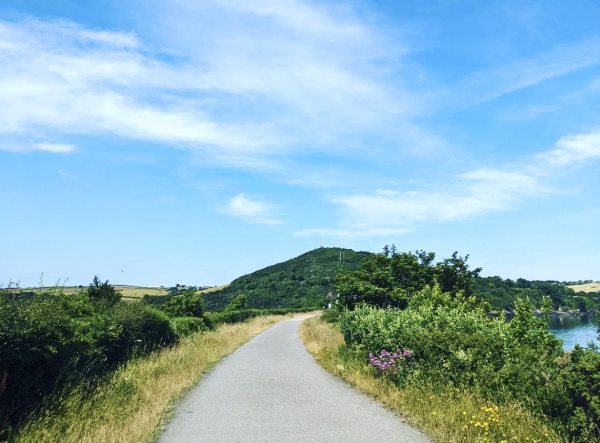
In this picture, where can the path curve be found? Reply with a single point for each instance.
(272, 390)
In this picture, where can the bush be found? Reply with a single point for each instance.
(462, 346)
(44, 339)
(237, 304)
(331, 315)
(141, 329)
(582, 377)
(103, 292)
(187, 304)
(184, 326)
(54, 340)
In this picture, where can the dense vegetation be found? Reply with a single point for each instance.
(390, 279)
(50, 340)
(502, 293)
(403, 301)
(302, 282)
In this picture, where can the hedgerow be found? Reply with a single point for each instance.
(455, 344)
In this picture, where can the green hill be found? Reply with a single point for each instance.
(303, 281)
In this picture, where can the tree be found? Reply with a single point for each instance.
(391, 280)
(103, 292)
(187, 304)
(453, 275)
(237, 304)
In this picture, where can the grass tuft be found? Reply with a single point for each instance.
(444, 413)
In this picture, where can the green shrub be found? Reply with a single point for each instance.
(331, 315)
(460, 345)
(54, 340)
(44, 339)
(237, 304)
(187, 304)
(184, 326)
(581, 375)
(141, 329)
(103, 292)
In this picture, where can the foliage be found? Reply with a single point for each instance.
(302, 282)
(51, 339)
(237, 304)
(458, 345)
(103, 292)
(446, 414)
(502, 293)
(184, 326)
(331, 315)
(188, 303)
(391, 279)
(582, 377)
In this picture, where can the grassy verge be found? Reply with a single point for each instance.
(132, 404)
(445, 414)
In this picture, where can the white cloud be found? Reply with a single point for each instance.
(253, 211)
(243, 79)
(62, 79)
(574, 149)
(472, 194)
(55, 148)
(467, 195)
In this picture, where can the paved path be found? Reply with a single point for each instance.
(271, 390)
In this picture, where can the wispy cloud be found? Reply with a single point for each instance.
(464, 196)
(64, 174)
(255, 80)
(55, 148)
(253, 211)
(489, 84)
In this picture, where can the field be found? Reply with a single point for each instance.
(588, 287)
(128, 292)
(216, 288)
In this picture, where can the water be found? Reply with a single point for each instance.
(574, 329)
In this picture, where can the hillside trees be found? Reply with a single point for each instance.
(390, 279)
(302, 282)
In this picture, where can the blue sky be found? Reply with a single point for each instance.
(155, 143)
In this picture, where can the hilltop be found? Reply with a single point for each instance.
(303, 281)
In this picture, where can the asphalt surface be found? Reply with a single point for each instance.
(272, 390)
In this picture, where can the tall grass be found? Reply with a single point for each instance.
(132, 404)
(445, 414)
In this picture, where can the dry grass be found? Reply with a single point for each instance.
(216, 288)
(132, 405)
(588, 287)
(446, 415)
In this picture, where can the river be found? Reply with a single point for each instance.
(574, 329)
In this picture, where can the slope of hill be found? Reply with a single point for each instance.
(303, 281)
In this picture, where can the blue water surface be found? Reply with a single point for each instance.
(574, 329)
